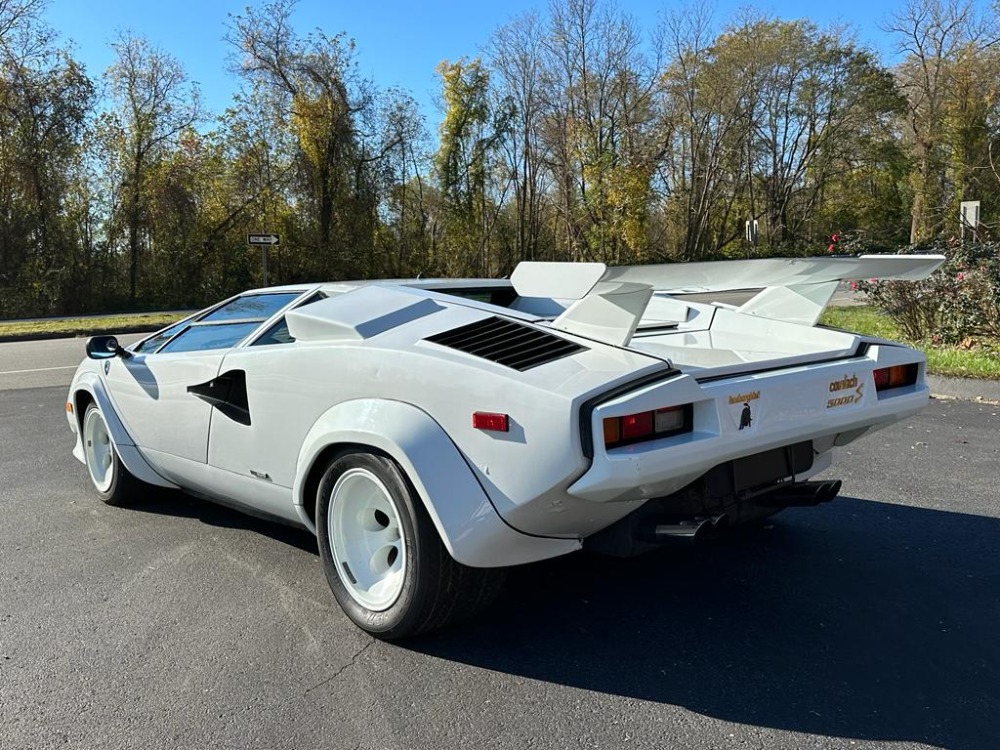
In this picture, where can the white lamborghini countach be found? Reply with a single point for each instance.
(433, 433)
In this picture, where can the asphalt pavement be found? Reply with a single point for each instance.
(869, 622)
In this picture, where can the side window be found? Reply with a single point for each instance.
(218, 336)
(278, 333)
(250, 307)
(155, 342)
(223, 327)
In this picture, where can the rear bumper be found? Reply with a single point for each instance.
(830, 404)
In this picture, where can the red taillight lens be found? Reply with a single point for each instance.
(646, 425)
(895, 376)
(637, 425)
(485, 420)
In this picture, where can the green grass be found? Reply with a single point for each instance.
(88, 326)
(982, 361)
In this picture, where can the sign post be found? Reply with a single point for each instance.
(969, 219)
(751, 228)
(264, 241)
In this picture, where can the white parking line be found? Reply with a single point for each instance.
(38, 369)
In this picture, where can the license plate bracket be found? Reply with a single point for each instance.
(771, 466)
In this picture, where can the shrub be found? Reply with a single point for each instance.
(958, 302)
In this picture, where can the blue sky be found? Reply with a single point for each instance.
(399, 43)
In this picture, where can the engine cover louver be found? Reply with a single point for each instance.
(507, 343)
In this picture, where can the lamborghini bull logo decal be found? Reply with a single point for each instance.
(746, 416)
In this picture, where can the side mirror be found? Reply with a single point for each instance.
(105, 347)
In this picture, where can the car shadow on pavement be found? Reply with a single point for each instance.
(167, 502)
(860, 619)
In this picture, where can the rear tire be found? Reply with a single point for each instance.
(382, 556)
(114, 483)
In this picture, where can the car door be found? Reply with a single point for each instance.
(150, 392)
(273, 381)
(160, 391)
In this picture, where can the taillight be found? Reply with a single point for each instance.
(895, 376)
(636, 426)
(647, 425)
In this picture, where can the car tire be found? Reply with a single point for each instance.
(383, 557)
(114, 483)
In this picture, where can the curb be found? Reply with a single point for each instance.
(965, 389)
(15, 337)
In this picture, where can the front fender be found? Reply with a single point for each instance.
(91, 383)
(469, 526)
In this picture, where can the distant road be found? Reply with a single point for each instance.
(35, 364)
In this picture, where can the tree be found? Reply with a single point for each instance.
(406, 239)
(706, 129)
(155, 105)
(45, 98)
(330, 111)
(517, 58)
(599, 130)
(470, 134)
(942, 41)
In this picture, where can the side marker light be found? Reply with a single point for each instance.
(485, 420)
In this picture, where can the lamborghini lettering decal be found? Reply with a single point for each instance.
(745, 409)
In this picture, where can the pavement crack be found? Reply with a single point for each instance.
(353, 660)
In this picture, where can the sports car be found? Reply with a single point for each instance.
(432, 433)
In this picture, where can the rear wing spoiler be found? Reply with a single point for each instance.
(608, 302)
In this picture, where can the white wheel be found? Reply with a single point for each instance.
(113, 481)
(366, 541)
(382, 556)
(98, 450)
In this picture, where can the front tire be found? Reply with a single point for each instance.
(382, 556)
(114, 483)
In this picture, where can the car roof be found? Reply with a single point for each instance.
(345, 286)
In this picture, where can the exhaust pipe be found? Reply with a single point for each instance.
(684, 528)
(799, 494)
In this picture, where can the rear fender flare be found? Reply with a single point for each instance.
(129, 454)
(469, 526)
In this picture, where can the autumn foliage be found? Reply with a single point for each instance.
(573, 135)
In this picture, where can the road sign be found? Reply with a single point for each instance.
(262, 239)
(968, 218)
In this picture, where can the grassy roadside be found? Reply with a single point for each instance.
(950, 361)
(89, 326)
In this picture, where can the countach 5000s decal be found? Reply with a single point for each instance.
(848, 390)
